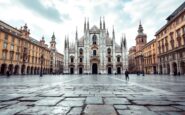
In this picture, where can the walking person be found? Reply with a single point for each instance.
(126, 75)
(8, 73)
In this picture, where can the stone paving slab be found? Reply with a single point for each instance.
(31, 99)
(49, 101)
(94, 100)
(136, 112)
(154, 102)
(114, 101)
(75, 111)
(11, 110)
(77, 103)
(163, 108)
(99, 110)
(73, 94)
(9, 97)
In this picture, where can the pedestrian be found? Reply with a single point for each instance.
(8, 73)
(126, 75)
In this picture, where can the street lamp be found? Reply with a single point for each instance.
(142, 59)
(42, 59)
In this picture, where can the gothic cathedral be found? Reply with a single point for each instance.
(95, 52)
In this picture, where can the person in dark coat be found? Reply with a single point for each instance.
(8, 73)
(126, 75)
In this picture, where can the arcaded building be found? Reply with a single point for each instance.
(171, 43)
(20, 53)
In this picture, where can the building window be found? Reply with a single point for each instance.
(5, 45)
(13, 39)
(178, 33)
(11, 55)
(4, 55)
(72, 59)
(94, 39)
(118, 59)
(17, 57)
(6, 37)
(12, 47)
(32, 59)
(109, 59)
(94, 52)
(172, 41)
(81, 51)
(183, 30)
(109, 51)
(81, 59)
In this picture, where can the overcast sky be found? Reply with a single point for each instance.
(44, 17)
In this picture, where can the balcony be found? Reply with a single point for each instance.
(118, 63)
(71, 63)
(94, 58)
(94, 46)
(109, 55)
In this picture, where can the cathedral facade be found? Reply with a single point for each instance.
(95, 52)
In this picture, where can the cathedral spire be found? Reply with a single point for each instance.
(100, 23)
(65, 43)
(76, 34)
(85, 25)
(107, 33)
(124, 41)
(113, 34)
(103, 23)
(140, 29)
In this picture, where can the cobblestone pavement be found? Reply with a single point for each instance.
(92, 95)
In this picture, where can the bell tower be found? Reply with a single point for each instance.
(141, 38)
(53, 42)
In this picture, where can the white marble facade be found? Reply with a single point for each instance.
(95, 52)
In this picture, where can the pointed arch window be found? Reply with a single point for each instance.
(94, 39)
(81, 51)
(94, 52)
(72, 59)
(109, 51)
(118, 59)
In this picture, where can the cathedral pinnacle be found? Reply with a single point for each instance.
(103, 23)
(100, 23)
(113, 34)
(76, 33)
(85, 25)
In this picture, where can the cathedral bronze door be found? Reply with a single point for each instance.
(109, 70)
(71, 71)
(94, 68)
(118, 70)
(80, 70)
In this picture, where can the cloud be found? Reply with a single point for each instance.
(48, 12)
(62, 16)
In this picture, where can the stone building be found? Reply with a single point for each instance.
(20, 53)
(56, 63)
(171, 43)
(150, 57)
(136, 57)
(95, 52)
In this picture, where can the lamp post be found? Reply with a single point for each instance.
(42, 59)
